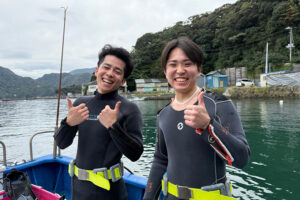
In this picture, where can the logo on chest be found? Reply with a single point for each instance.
(180, 126)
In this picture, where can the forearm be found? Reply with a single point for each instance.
(226, 135)
(64, 136)
(131, 147)
(231, 146)
(157, 171)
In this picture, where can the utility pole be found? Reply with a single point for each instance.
(291, 44)
(267, 51)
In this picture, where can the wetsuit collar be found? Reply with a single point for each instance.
(106, 95)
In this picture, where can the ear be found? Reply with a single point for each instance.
(199, 71)
(96, 71)
(200, 68)
(123, 81)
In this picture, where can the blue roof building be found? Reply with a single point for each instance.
(215, 79)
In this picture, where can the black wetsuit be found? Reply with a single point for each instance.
(100, 147)
(195, 160)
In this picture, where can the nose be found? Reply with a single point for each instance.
(180, 68)
(109, 72)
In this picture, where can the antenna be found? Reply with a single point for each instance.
(59, 86)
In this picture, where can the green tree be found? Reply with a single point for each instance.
(233, 35)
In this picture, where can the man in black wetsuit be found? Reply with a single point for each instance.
(109, 126)
(197, 133)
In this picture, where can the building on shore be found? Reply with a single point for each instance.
(150, 85)
(90, 88)
(201, 81)
(280, 78)
(215, 79)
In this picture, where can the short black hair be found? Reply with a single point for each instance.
(190, 48)
(120, 53)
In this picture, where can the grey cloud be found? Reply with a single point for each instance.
(15, 55)
(31, 30)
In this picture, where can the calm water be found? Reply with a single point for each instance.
(272, 129)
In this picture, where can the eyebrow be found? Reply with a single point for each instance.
(185, 60)
(107, 64)
(116, 67)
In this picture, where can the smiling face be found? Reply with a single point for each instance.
(181, 72)
(110, 74)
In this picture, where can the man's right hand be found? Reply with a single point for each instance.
(76, 114)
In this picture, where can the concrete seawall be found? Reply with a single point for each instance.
(259, 92)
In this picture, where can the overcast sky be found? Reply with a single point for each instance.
(31, 30)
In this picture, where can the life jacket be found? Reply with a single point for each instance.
(17, 186)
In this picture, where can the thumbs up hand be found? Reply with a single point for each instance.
(76, 114)
(109, 116)
(196, 116)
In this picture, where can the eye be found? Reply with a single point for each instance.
(106, 66)
(119, 72)
(187, 64)
(172, 64)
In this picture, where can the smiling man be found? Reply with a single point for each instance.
(117, 130)
(197, 134)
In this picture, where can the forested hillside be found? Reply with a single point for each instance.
(13, 86)
(233, 35)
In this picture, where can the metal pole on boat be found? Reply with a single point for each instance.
(59, 87)
(4, 153)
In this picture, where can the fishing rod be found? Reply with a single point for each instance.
(59, 85)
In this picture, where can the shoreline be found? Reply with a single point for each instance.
(248, 92)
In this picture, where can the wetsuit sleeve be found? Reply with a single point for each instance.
(127, 134)
(64, 136)
(226, 135)
(158, 168)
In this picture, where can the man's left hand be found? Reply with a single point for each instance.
(109, 116)
(196, 116)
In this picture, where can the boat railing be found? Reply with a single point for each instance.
(30, 143)
(4, 153)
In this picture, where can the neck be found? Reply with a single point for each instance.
(183, 98)
(107, 95)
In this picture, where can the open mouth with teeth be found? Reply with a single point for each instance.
(181, 80)
(107, 81)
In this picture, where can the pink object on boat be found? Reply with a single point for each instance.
(43, 194)
(2, 194)
(40, 193)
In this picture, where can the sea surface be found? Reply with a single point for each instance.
(272, 128)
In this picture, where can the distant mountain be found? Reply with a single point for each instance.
(82, 71)
(67, 79)
(13, 86)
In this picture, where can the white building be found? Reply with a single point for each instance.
(150, 85)
(92, 87)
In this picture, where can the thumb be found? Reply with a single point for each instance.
(200, 99)
(118, 104)
(70, 104)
